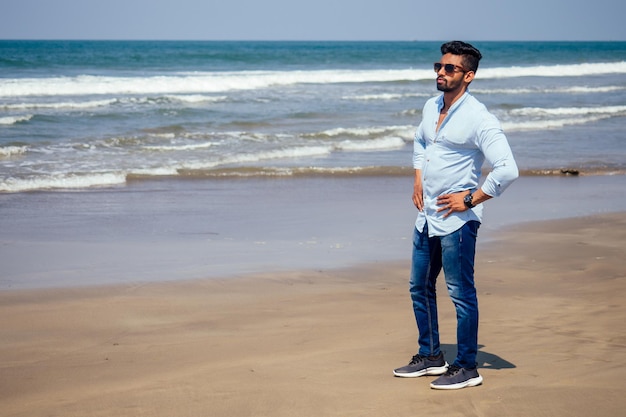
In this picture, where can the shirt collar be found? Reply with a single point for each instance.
(440, 102)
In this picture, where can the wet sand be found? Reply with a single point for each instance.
(172, 230)
(323, 341)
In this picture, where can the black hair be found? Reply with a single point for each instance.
(471, 55)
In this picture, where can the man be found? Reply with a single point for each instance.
(457, 134)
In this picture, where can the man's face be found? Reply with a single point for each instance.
(451, 81)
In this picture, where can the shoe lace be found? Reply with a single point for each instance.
(416, 359)
(452, 369)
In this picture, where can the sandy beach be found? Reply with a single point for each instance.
(223, 229)
(324, 342)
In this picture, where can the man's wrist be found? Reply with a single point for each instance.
(468, 200)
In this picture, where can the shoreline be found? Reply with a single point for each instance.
(112, 181)
(487, 244)
(162, 231)
(324, 342)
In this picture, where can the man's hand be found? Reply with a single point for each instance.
(452, 203)
(418, 196)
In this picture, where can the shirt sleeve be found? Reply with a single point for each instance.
(498, 154)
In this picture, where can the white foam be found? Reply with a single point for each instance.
(538, 118)
(246, 158)
(587, 90)
(155, 172)
(197, 98)
(11, 120)
(563, 90)
(572, 70)
(366, 131)
(221, 82)
(61, 181)
(9, 151)
(372, 144)
(568, 111)
(59, 106)
(550, 123)
(383, 97)
(296, 152)
(188, 147)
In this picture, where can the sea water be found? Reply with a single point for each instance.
(84, 114)
(124, 162)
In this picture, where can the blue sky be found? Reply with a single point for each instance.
(314, 20)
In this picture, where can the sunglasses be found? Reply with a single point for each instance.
(448, 68)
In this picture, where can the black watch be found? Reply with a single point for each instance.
(468, 201)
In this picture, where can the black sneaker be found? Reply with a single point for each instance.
(423, 365)
(457, 378)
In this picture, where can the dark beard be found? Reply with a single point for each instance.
(449, 86)
(446, 88)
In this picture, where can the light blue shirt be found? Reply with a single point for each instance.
(452, 157)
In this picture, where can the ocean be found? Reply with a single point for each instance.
(80, 115)
(126, 162)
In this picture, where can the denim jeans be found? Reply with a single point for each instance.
(455, 253)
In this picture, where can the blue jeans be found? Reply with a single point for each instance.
(455, 253)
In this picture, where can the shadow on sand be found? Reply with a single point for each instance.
(484, 359)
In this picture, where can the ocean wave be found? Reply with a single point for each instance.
(11, 151)
(508, 91)
(538, 118)
(558, 90)
(221, 82)
(365, 171)
(92, 104)
(11, 120)
(372, 145)
(296, 172)
(573, 172)
(177, 148)
(571, 70)
(254, 157)
(58, 106)
(61, 182)
(153, 172)
(295, 152)
(550, 123)
(384, 96)
(569, 111)
(196, 98)
(186, 84)
(364, 131)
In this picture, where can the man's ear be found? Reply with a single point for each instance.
(469, 76)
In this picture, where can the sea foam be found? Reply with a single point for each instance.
(10, 151)
(372, 144)
(11, 120)
(62, 181)
(221, 82)
(570, 111)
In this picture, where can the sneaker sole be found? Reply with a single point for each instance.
(433, 370)
(472, 382)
